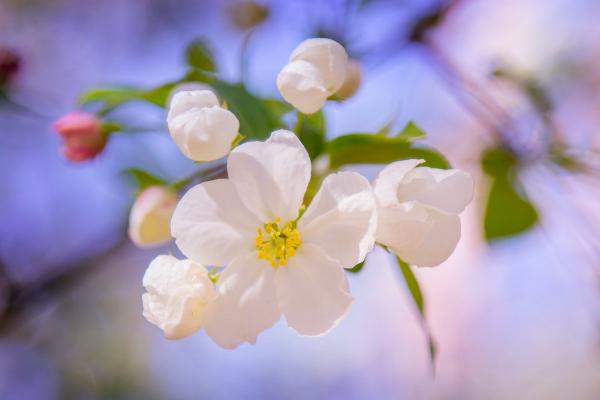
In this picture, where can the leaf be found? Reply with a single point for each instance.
(364, 148)
(199, 56)
(412, 132)
(413, 286)
(415, 291)
(357, 268)
(508, 212)
(144, 179)
(256, 120)
(311, 131)
(277, 108)
(111, 98)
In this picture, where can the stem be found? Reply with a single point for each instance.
(217, 171)
(244, 56)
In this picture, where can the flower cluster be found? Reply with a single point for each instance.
(271, 252)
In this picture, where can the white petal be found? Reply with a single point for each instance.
(342, 218)
(150, 216)
(204, 134)
(178, 293)
(271, 177)
(419, 235)
(387, 181)
(211, 225)
(352, 81)
(187, 100)
(188, 87)
(301, 84)
(246, 304)
(328, 56)
(313, 291)
(447, 190)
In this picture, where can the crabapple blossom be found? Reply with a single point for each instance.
(418, 210)
(82, 135)
(201, 128)
(178, 292)
(150, 216)
(352, 81)
(279, 257)
(316, 70)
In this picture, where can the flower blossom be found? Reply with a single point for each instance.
(316, 70)
(352, 81)
(418, 210)
(150, 216)
(279, 257)
(82, 135)
(178, 292)
(201, 128)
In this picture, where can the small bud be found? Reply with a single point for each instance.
(352, 81)
(10, 64)
(82, 135)
(201, 128)
(248, 14)
(316, 70)
(185, 87)
(178, 292)
(150, 216)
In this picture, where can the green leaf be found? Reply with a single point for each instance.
(364, 148)
(357, 268)
(417, 296)
(199, 56)
(508, 212)
(111, 98)
(277, 108)
(412, 285)
(412, 132)
(256, 120)
(311, 131)
(144, 179)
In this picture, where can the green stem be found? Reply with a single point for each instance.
(203, 174)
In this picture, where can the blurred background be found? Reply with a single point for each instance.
(506, 89)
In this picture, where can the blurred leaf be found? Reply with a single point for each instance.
(417, 296)
(111, 98)
(198, 55)
(364, 148)
(357, 268)
(144, 179)
(256, 120)
(508, 212)
(311, 131)
(413, 285)
(411, 132)
(277, 108)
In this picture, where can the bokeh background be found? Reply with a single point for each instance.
(516, 318)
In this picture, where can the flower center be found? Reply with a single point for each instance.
(276, 243)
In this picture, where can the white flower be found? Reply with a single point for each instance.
(200, 127)
(178, 292)
(316, 70)
(150, 216)
(186, 87)
(418, 210)
(352, 81)
(277, 261)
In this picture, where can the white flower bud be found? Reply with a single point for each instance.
(328, 56)
(200, 127)
(178, 292)
(301, 84)
(150, 216)
(316, 70)
(352, 82)
(186, 87)
(418, 210)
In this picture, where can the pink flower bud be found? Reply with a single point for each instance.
(82, 134)
(10, 64)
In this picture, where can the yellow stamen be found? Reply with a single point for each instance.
(275, 244)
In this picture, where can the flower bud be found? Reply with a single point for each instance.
(247, 14)
(352, 81)
(10, 63)
(150, 216)
(301, 84)
(185, 87)
(201, 128)
(177, 294)
(316, 70)
(82, 135)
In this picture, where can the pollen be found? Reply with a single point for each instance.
(276, 243)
